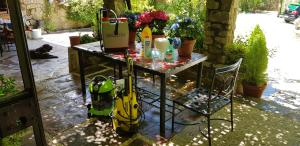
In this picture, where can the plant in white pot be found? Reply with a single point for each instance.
(256, 63)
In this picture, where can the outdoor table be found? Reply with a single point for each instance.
(155, 67)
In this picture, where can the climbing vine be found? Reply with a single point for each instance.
(83, 11)
(48, 11)
(7, 85)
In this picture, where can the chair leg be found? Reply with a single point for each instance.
(231, 114)
(8, 47)
(208, 131)
(1, 50)
(115, 75)
(135, 79)
(173, 118)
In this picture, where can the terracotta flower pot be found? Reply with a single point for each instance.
(131, 37)
(186, 48)
(74, 40)
(252, 90)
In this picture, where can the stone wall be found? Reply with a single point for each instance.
(219, 27)
(59, 18)
(34, 9)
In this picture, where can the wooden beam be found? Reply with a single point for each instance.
(128, 3)
(26, 69)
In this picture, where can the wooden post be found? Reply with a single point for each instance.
(26, 69)
(280, 8)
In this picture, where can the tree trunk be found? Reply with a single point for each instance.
(119, 6)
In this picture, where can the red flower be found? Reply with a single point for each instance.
(149, 18)
(145, 18)
(160, 15)
(138, 24)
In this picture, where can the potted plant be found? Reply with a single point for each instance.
(188, 31)
(156, 20)
(256, 63)
(87, 39)
(132, 18)
(74, 40)
(233, 53)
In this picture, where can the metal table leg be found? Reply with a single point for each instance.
(199, 75)
(81, 71)
(115, 76)
(162, 104)
(120, 71)
(1, 49)
(135, 79)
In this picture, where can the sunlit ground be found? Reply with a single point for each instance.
(64, 112)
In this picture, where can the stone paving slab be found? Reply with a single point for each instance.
(91, 133)
(251, 127)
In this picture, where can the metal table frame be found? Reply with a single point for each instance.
(162, 76)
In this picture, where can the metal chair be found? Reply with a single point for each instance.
(8, 37)
(2, 43)
(206, 102)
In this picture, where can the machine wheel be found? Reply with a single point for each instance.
(287, 21)
(89, 106)
(89, 115)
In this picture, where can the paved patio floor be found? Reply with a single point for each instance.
(64, 112)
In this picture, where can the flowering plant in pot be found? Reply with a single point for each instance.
(188, 31)
(256, 63)
(156, 20)
(132, 18)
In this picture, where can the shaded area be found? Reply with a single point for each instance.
(251, 127)
(65, 120)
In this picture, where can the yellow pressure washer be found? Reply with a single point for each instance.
(125, 115)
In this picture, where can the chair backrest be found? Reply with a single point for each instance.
(224, 79)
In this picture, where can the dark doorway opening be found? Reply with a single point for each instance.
(3, 5)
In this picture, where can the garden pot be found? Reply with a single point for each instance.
(131, 38)
(154, 36)
(186, 48)
(36, 34)
(253, 90)
(74, 40)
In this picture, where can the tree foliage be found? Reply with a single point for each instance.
(253, 5)
(7, 85)
(83, 11)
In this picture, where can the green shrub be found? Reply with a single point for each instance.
(249, 5)
(256, 59)
(87, 39)
(236, 50)
(142, 5)
(253, 5)
(7, 85)
(47, 14)
(49, 26)
(83, 11)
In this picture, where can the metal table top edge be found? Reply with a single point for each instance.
(82, 48)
